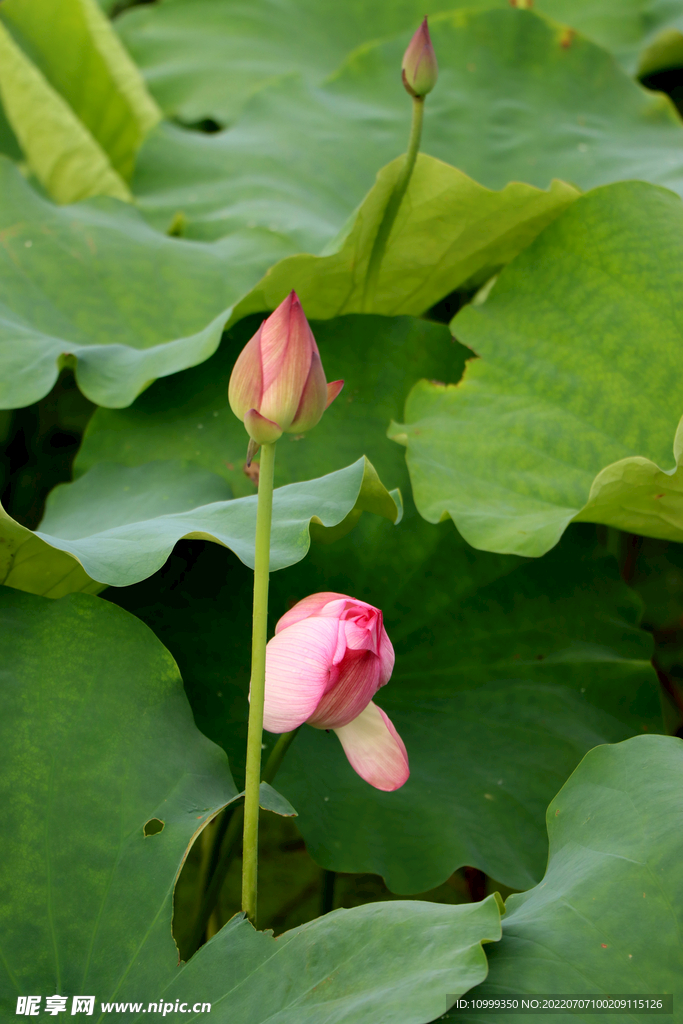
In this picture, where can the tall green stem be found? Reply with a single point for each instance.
(258, 681)
(393, 206)
(225, 841)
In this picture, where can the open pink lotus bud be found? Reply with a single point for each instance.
(329, 656)
(278, 382)
(420, 69)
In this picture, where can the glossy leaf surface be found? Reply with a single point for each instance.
(116, 525)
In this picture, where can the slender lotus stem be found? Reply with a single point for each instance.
(393, 206)
(258, 681)
(225, 842)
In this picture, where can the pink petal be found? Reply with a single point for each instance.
(375, 750)
(311, 605)
(386, 657)
(333, 390)
(356, 685)
(287, 348)
(313, 398)
(298, 662)
(246, 379)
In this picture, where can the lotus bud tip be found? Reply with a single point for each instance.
(420, 69)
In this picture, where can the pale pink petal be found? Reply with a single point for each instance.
(333, 390)
(246, 381)
(375, 750)
(287, 348)
(298, 662)
(386, 657)
(313, 398)
(311, 605)
(356, 685)
(359, 637)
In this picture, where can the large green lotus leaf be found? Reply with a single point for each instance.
(95, 284)
(518, 99)
(116, 525)
(74, 46)
(507, 672)
(607, 916)
(204, 58)
(450, 232)
(97, 739)
(187, 416)
(572, 410)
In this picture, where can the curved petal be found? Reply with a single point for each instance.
(333, 390)
(375, 750)
(313, 398)
(311, 605)
(386, 658)
(287, 348)
(363, 626)
(298, 662)
(261, 430)
(246, 380)
(356, 685)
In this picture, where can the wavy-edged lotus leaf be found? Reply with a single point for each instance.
(507, 672)
(572, 410)
(116, 525)
(187, 416)
(95, 705)
(204, 58)
(518, 99)
(606, 918)
(94, 284)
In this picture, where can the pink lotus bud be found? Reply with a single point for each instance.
(278, 382)
(420, 69)
(328, 658)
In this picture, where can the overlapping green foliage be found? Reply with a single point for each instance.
(140, 254)
(518, 100)
(614, 832)
(203, 59)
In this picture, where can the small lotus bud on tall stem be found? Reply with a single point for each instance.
(419, 72)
